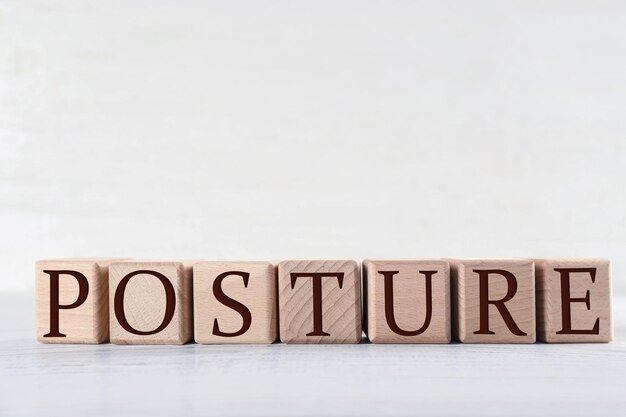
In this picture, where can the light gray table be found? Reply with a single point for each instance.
(281, 380)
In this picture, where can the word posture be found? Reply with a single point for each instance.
(327, 301)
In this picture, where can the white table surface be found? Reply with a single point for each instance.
(277, 380)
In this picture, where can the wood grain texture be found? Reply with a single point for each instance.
(550, 302)
(409, 301)
(145, 302)
(340, 309)
(258, 296)
(466, 300)
(88, 322)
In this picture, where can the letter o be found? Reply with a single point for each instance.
(170, 303)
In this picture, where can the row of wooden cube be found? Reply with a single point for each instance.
(421, 301)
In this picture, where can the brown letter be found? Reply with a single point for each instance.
(485, 301)
(389, 314)
(567, 300)
(317, 296)
(229, 302)
(83, 291)
(170, 303)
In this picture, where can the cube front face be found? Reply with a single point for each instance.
(495, 301)
(234, 302)
(72, 301)
(319, 301)
(150, 303)
(574, 300)
(408, 301)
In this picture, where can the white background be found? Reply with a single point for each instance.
(319, 129)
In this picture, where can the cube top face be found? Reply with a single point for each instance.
(574, 300)
(408, 301)
(319, 301)
(495, 300)
(234, 302)
(72, 300)
(150, 302)
(104, 261)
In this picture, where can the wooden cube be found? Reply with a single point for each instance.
(408, 301)
(234, 302)
(574, 300)
(150, 302)
(72, 300)
(493, 301)
(319, 301)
